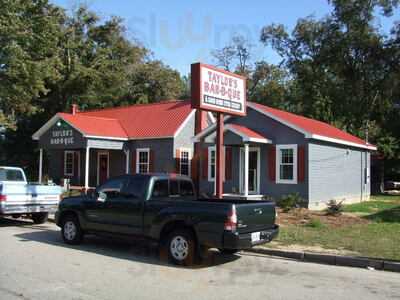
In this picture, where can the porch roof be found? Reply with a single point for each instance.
(246, 134)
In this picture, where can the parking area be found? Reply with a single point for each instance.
(36, 264)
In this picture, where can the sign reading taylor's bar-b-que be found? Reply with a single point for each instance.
(218, 90)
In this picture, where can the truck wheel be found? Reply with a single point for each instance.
(71, 230)
(228, 251)
(40, 218)
(181, 246)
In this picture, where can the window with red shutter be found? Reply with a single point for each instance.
(144, 160)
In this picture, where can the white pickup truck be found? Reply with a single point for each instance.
(18, 198)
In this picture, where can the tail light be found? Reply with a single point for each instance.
(231, 222)
(3, 198)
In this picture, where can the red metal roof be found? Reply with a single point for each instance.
(95, 126)
(247, 131)
(310, 126)
(157, 120)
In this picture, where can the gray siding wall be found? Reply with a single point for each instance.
(184, 138)
(163, 153)
(337, 172)
(276, 132)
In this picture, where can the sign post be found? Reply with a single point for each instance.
(222, 92)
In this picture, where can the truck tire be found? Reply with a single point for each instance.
(181, 247)
(228, 251)
(71, 230)
(40, 218)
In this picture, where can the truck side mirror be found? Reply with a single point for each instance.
(102, 197)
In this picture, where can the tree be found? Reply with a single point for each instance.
(29, 36)
(266, 83)
(237, 52)
(50, 59)
(343, 68)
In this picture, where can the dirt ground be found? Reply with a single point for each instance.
(302, 216)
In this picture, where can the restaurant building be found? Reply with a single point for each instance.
(268, 153)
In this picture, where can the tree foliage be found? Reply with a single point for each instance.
(345, 68)
(50, 59)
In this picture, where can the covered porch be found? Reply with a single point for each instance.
(75, 160)
(245, 154)
(82, 168)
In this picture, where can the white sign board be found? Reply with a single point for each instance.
(218, 90)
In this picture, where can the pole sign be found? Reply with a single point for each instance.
(218, 90)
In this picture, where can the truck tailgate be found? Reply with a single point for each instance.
(255, 216)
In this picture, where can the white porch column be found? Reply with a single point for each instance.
(246, 170)
(40, 165)
(127, 153)
(87, 159)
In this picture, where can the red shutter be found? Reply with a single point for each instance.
(205, 163)
(151, 162)
(301, 163)
(193, 166)
(178, 161)
(272, 163)
(134, 161)
(63, 164)
(228, 163)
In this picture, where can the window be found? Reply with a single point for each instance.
(113, 187)
(186, 188)
(137, 187)
(160, 189)
(286, 160)
(173, 188)
(185, 162)
(142, 160)
(211, 163)
(69, 163)
(11, 175)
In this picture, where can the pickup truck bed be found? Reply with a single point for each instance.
(164, 208)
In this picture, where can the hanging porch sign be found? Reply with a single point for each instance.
(217, 90)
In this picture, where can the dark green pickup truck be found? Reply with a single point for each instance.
(165, 208)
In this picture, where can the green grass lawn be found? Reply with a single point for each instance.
(379, 238)
(377, 204)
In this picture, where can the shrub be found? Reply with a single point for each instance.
(290, 201)
(334, 207)
(315, 223)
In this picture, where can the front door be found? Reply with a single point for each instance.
(103, 167)
(254, 172)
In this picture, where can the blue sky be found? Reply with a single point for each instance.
(182, 32)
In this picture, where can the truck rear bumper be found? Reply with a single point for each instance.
(245, 241)
(7, 209)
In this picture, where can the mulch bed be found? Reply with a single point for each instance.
(302, 216)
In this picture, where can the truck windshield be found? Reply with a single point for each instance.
(11, 175)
